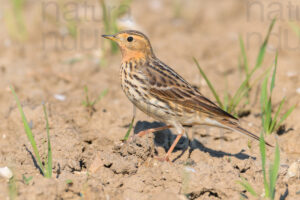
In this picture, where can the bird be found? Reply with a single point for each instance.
(160, 92)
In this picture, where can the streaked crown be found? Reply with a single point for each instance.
(133, 44)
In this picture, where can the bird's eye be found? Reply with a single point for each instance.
(130, 39)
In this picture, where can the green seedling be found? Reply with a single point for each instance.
(26, 180)
(269, 185)
(47, 168)
(211, 87)
(246, 185)
(270, 123)
(129, 130)
(230, 103)
(14, 19)
(12, 188)
(48, 164)
(90, 104)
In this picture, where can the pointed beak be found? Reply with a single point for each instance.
(111, 37)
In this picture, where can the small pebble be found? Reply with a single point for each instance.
(294, 170)
(5, 172)
(60, 97)
(298, 90)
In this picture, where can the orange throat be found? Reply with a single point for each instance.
(129, 55)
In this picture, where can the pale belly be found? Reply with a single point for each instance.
(150, 106)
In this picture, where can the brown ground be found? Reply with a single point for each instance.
(208, 168)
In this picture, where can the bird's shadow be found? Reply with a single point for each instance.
(165, 139)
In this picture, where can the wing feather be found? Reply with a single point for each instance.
(166, 84)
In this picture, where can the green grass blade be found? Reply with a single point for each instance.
(268, 116)
(49, 162)
(209, 84)
(246, 185)
(226, 100)
(12, 188)
(262, 148)
(260, 57)
(273, 76)
(240, 65)
(263, 102)
(263, 47)
(274, 122)
(28, 132)
(237, 95)
(241, 92)
(264, 89)
(262, 99)
(270, 175)
(26, 180)
(274, 172)
(244, 55)
(87, 100)
(285, 116)
(129, 130)
(234, 102)
(243, 89)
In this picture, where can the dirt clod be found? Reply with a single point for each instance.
(125, 158)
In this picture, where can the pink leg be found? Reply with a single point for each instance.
(152, 130)
(166, 158)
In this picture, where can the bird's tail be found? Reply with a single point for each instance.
(236, 127)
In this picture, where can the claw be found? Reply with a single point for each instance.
(132, 138)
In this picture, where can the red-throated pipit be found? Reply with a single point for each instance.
(160, 92)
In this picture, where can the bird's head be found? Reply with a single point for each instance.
(133, 44)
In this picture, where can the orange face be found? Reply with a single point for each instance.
(133, 44)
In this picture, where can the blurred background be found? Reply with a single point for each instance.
(57, 40)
